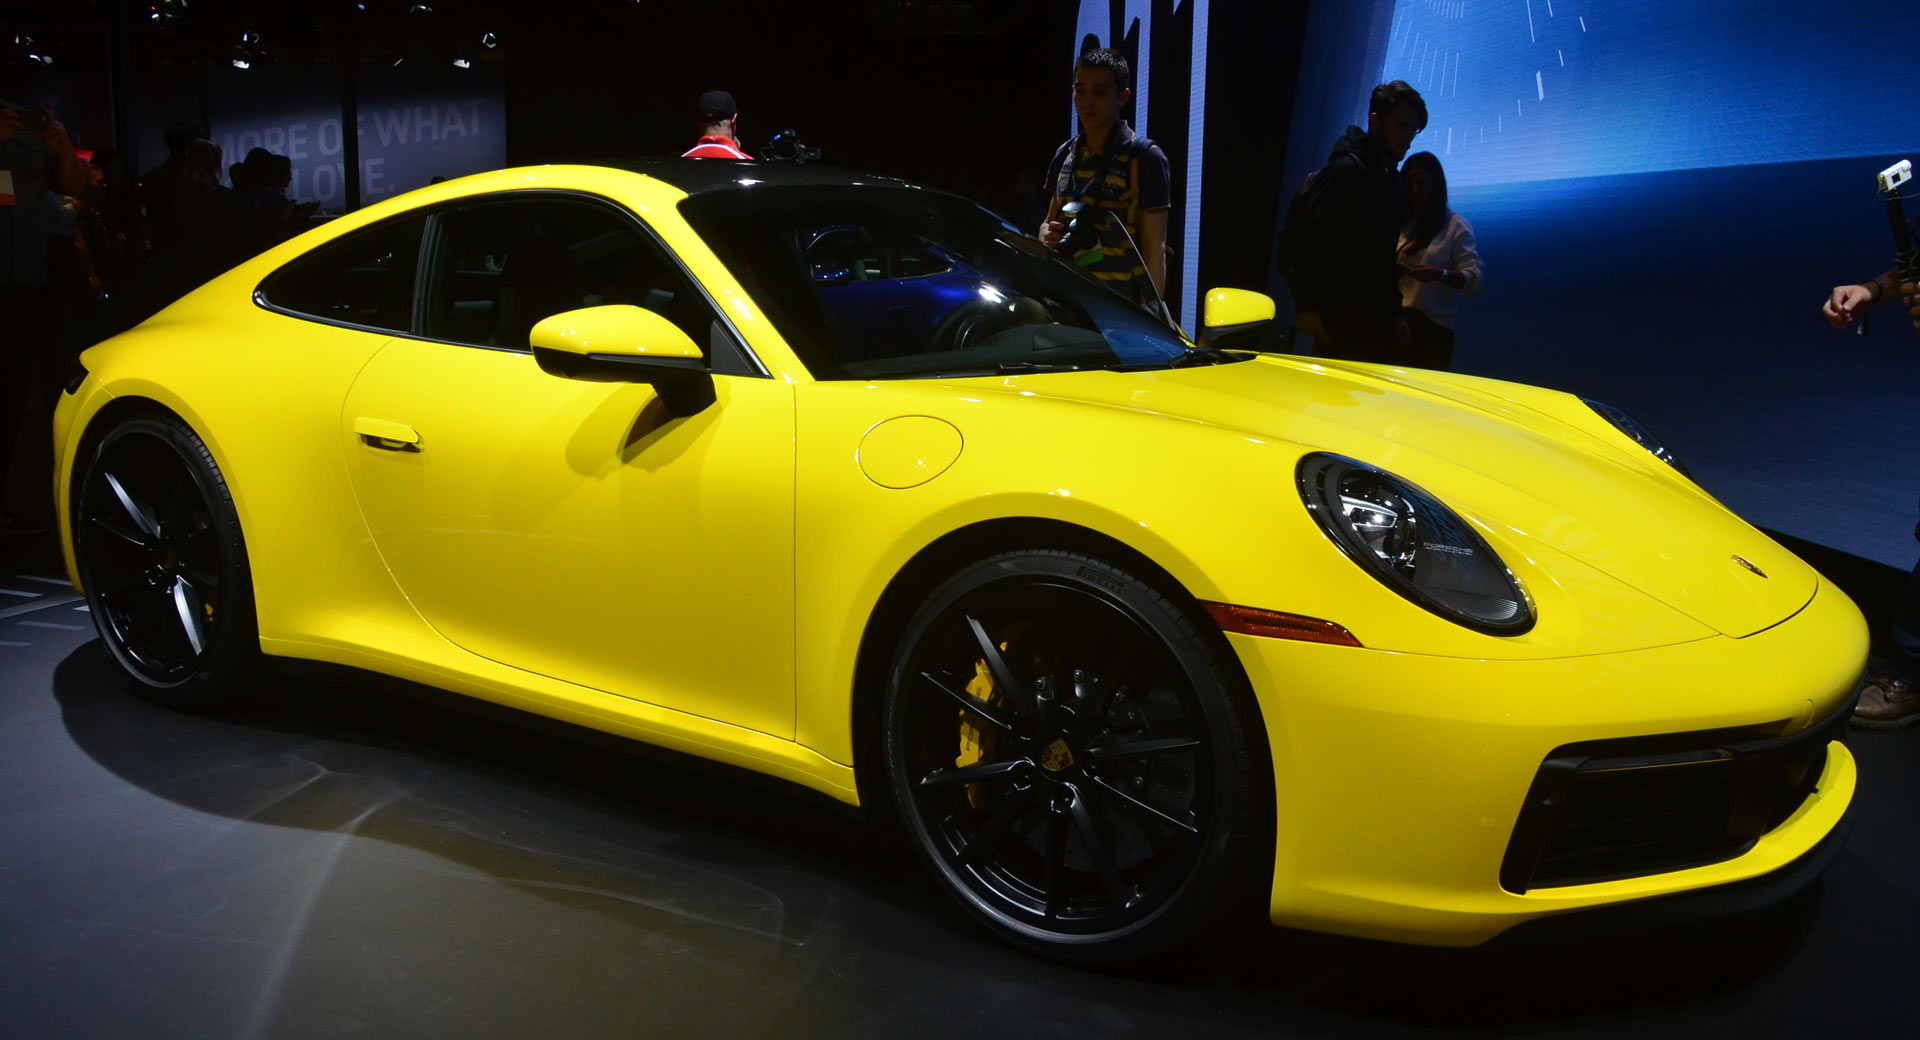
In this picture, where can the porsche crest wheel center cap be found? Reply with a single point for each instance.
(1056, 757)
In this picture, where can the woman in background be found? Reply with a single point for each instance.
(1438, 263)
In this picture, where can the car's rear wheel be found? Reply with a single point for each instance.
(163, 564)
(1071, 757)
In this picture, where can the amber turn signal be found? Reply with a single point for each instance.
(1253, 621)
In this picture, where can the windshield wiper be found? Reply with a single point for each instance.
(1203, 356)
(1008, 368)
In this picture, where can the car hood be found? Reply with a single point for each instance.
(1501, 454)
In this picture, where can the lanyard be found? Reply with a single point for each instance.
(1100, 175)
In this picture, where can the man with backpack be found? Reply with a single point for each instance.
(1343, 228)
(1121, 180)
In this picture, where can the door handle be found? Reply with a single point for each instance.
(388, 436)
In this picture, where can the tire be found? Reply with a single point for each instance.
(164, 566)
(1090, 792)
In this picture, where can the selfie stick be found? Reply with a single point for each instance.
(1906, 260)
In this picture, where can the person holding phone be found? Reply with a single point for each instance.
(1439, 262)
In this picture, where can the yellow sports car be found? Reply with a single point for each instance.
(847, 481)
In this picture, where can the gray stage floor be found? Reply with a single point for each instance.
(360, 858)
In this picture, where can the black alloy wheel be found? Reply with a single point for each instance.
(1071, 759)
(163, 565)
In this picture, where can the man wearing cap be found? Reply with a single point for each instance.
(719, 121)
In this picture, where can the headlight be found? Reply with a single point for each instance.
(1414, 545)
(1642, 436)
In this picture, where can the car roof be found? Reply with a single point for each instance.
(707, 176)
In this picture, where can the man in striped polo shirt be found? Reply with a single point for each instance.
(1117, 178)
(719, 121)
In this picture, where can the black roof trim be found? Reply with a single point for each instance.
(704, 176)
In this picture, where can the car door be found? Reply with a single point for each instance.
(570, 528)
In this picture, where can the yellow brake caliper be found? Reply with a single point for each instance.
(973, 741)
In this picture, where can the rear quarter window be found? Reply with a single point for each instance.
(365, 278)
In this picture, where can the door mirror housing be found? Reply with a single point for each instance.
(621, 343)
(1230, 312)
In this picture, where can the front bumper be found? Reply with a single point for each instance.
(1400, 779)
(1685, 908)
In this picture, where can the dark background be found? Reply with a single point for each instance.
(1689, 297)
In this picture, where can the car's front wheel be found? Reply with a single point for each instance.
(1071, 757)
(161, 559)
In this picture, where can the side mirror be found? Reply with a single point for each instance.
(1233, 311)
(621, 343)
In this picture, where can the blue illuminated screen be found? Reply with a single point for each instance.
(1524, 90)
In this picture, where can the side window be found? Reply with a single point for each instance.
(500, 266)
(364, 278)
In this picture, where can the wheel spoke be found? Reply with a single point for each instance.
(1057, 824)
(1098, 850)
(1138, 803)
(1019, 696)
(186, 603)
(1010, 807)
(1114, 752)
(972, 774)
(202, 580)
(142, 516)
(969, 702)
(133, 538)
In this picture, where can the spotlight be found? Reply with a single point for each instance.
(462, 63)
(41, 59)
(249, 38)
(241, 63)
(489, 40)
(419, 8)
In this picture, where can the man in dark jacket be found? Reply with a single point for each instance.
(1340, 267)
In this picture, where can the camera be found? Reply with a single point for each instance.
(1081, 240)
(1894, 176)
(786, 146)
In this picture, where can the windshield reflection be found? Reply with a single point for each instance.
(888, 283)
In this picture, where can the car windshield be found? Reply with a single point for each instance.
(875, 282)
